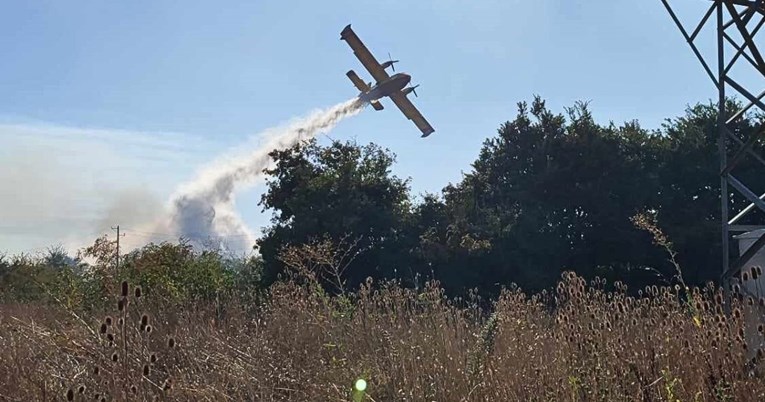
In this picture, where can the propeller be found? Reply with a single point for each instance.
(411, 89)
(389, 63)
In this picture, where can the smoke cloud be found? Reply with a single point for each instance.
(203, 210)
(67, 185)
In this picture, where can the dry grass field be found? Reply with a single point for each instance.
(580, 343)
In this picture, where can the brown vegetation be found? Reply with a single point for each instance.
(581, 343)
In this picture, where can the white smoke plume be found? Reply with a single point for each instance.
(203, 210)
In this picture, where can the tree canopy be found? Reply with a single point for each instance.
(339, 192)
(549, 192)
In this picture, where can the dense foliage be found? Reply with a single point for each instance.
(550, 192)
(171, 272)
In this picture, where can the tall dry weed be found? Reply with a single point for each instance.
(584, 341)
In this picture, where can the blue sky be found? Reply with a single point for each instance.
(105, 106)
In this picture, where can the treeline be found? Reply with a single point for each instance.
(550, 192)
(171, 273)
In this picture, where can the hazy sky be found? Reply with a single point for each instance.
(105, 106)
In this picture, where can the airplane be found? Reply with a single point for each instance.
(392, 86)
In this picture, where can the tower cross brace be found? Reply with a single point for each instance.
(736, 24)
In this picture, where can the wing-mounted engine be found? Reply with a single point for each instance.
(389, 63)
(409, 90)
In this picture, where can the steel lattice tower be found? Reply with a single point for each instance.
(736, 24)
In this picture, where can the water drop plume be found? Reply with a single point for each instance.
(203, 210)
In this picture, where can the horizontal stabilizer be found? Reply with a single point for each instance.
(377, 105)
(360, 85)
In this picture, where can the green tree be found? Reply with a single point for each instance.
(53, 276)
(341, 191)
(550, 193)
(553, 192)
(177, 271)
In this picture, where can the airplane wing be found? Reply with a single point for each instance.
(411, 112)
(363, 54)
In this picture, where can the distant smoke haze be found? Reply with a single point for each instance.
(67, 185)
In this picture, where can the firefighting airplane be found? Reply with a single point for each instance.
(387, 85)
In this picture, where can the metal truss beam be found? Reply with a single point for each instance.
(737, 46)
